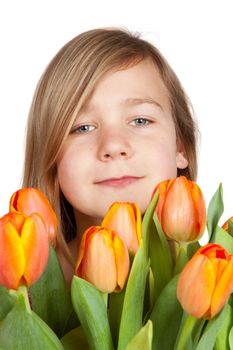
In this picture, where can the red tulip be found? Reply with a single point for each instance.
(125, 220)
(103, 259)
(206, 281)
(181, 209)
(31, 200)
(24, 249)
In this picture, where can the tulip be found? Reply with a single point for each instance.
(181, 209)
(226, 224)
(31, 200)
(206, 281)
(24, 249)
(125, 220)
(103, 259)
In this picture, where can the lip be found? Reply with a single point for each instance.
(119, 181)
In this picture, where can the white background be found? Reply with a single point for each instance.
(195, 36)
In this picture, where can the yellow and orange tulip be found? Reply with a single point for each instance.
(125, 220)
(24, 249)
(206, 281)
(31, 200)
(181, 209)
(103, 259)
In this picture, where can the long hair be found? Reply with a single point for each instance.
(63, 90)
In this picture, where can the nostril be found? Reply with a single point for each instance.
(123, 154)
(106, 155)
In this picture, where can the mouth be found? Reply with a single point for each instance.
(119, 181)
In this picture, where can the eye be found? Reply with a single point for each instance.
(82, 129)
(140, 121)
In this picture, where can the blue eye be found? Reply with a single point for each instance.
(141, 121)
(83, 129)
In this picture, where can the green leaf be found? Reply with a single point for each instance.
(75, 340)
(215, 210)
(21, 329)
(192, 248)
(143, 339)
(115, 306)
(223, 238)
(166, 317)
(231, 338)
(90, 307)
(51, 300)
(211, 331)
(160, 256)
(222, 341)
(132, 313)
(7, 301)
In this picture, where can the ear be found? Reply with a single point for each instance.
(181, 156)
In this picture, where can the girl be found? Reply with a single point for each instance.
(108, 122)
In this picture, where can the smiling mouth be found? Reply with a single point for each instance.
(120, 181)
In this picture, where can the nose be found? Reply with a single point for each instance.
(114, 145)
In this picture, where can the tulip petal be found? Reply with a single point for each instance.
(31, 200)
(196, 285)
(122, 261)
(178, 215)
(36, 248)
(199, 205)
(223, 287)
(12, 260)
(98, 263)
(121, 219)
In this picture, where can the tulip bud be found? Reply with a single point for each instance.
(24, 249)
(103, 259)
(31, 200)
(206, 281)
(181, 209)
(125, 220)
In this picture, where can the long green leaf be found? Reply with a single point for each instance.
(23, 330)
(75, 339)
(7, 301)
(132, 313)
(223, 238)
(143, 339)
(51, 299)
(92, 312)
(166, 317)
(212, 329)
(222, 340)
(215, 210)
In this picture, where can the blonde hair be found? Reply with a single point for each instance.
(65, 87)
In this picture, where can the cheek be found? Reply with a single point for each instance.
(161, 155)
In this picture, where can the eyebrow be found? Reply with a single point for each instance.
(130, 101)
(138, 101)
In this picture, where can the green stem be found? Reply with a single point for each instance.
(22, 291)
(185, 333)
(105, 297)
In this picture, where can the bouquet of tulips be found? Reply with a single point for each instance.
(139, 283)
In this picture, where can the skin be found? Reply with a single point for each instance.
(122, 144)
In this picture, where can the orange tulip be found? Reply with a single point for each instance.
(103, 259)
(31, 200)
(24, 249)
(226, 224)
(181, 209)
(125, 220)
(206, 281)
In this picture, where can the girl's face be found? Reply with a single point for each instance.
(122, 144)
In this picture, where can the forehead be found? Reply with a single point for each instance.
(139, 83)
